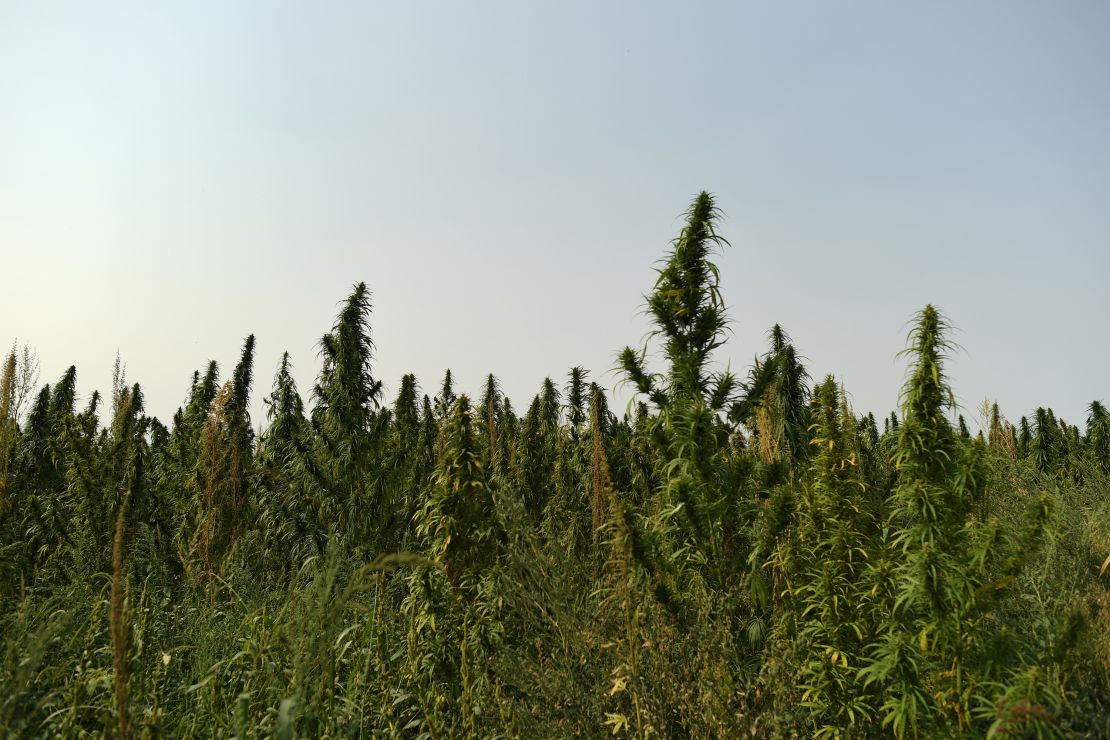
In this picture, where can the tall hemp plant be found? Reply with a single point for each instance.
(837, 539)
(292, 487)
(775, 407)
(688, 312)
(937, 589)
(225, 467)
(350, 425)
(9, 430)
(452, 630)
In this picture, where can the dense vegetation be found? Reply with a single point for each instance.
(732, 557)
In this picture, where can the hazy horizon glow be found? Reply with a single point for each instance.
(505, 177)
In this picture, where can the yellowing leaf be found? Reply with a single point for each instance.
(617, 721)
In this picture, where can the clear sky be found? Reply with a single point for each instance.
(174, 176)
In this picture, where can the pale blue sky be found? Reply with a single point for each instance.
(504, 175)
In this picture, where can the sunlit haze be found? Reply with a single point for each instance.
(504, 176)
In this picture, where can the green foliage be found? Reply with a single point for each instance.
(457, 521)
(837, 541)
(349, 424)
(727, 559)
(775, 405)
